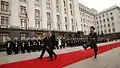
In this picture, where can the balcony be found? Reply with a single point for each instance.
(4, 26)
(3, 11)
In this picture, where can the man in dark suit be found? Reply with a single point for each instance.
(45, 45)
(52, 41)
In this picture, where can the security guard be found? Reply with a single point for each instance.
(28, 45)
(23, 45)
(9, 47)
(16, 45)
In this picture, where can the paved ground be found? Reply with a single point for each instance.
(110, 59)
(19, 57)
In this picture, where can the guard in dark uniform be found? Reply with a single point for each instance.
(9, 47)
(40, 42)
(92, 39)
(16, 45)
(34, 44)
(23, 45)
(28, 45)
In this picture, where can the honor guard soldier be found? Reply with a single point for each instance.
(9, 46)
(28, 45)
(39, 43)
(92, 41)
(16, 45)
(33, 44)
(23, 45)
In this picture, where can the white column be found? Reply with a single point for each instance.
(31, 13)
(15, 10)
(77, 14)
(62, 15)
(54, 17)
(43, 14)
(69, 16)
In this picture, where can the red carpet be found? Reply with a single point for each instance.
(62, 60)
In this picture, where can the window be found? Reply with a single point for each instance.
(105, 31)
(49, 26)
(103, 15)
(112, 18)
(58, 18)
(72, 28)
(70, 6)
(72, 21)
(104, 20)
(23, 23)
(107, 19)
(38, 23)
(4, 6)
(58, 26)
(113, 29)
(109, 30)
(4, 20)
(23, 10)
(84, 25)
(101, 26)
(99, 17)
(66, 19)
(100, 21)
(111, 13)
(83, 20)
(3, 37)
(48, 4)
(66, 26)
(64, 2)
(48, 15)
(71, 12)
(37, 13)
(106, 14)
(108, 25)
(113, 24)
(65, 11)
(97, 22)
(57, 8)
(104, 25)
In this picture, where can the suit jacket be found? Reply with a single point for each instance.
(52, 41)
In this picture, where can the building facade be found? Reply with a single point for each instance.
(24, 17)
(37, 15)
(87, 18)
(108, 21)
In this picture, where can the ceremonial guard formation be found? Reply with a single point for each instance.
(48, 42)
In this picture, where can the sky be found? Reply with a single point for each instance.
(99, 5)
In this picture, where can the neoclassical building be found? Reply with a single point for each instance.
(108, 21)
(31, 17)
(43, 15)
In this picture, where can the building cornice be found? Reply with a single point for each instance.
(109, 9)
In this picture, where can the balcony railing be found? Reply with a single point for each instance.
(3, 11)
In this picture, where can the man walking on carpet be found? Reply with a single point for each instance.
(92, 39)
(45, 45)
(52, 41)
